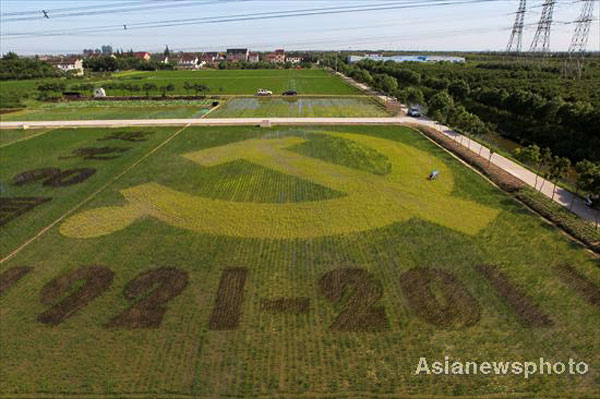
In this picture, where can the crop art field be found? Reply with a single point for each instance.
(282, 262)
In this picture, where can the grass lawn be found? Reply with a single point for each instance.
(241, 262)
(299, 107)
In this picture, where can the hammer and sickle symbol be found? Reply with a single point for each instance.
(370, 201)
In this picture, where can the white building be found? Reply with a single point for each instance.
(188, 61)
(407, 58)
(69, 64)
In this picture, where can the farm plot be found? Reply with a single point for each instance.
(312, 81)
(106, 112)
(299, 107)
(269, 262)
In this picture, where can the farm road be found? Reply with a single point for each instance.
(562, 196)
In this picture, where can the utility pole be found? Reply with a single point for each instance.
(580, 39)
(515, 42)
(541, 40)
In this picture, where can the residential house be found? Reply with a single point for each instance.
(142, 55)
(237, 54)
(188, 61)
(67, 64)
(209, 57)
(294, 60)
(253, 57)
(277, 57)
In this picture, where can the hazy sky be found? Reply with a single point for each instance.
(421, 25)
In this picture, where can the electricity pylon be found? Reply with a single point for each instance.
(580, 38)
(515, 42)
(541, 40)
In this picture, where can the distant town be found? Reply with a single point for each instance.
(167, 59)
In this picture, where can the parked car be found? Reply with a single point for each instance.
(414, 112)
(264, 92)
(290, 93)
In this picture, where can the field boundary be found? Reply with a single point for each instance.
(91, 196)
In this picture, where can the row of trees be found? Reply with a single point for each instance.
(147, 88)
(14, 67)
(554, 168)
(122, 63)
(529, 105)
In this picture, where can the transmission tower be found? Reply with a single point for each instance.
(515, 41)
(580, 37)
(541, 40)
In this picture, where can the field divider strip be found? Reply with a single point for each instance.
(28, 137)
(92, 196)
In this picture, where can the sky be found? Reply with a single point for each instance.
(205, 25)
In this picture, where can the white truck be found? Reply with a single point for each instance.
(264, 92)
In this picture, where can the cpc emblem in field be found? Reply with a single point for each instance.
(371, 201)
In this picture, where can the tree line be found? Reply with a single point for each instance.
(528, 104)
(13, 67)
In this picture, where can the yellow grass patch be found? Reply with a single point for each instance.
(371, 202)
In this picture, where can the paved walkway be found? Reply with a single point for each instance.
(561, 196)
(203, 122)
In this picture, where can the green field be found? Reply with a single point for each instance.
(282, 262)
(299, 107)
(227, 82)
(244, 107)
(313, 81)
(121, 112)
(9, 136)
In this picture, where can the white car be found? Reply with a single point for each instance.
(264, 92)
(414, 112)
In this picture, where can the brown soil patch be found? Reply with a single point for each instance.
(91, 282)
(152, 289)
(580, 284)
(530, 315)
(127, 136)
(33, 175)
(11, 208)
(70, 177)
(439, 298)
(11, 276)
(228, 305)
(97, 153)
(357, 291)
(285, 305)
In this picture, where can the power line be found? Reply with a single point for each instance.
(410, 4)
(145, 7)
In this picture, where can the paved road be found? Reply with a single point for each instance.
(203, 122)
(561, 196)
